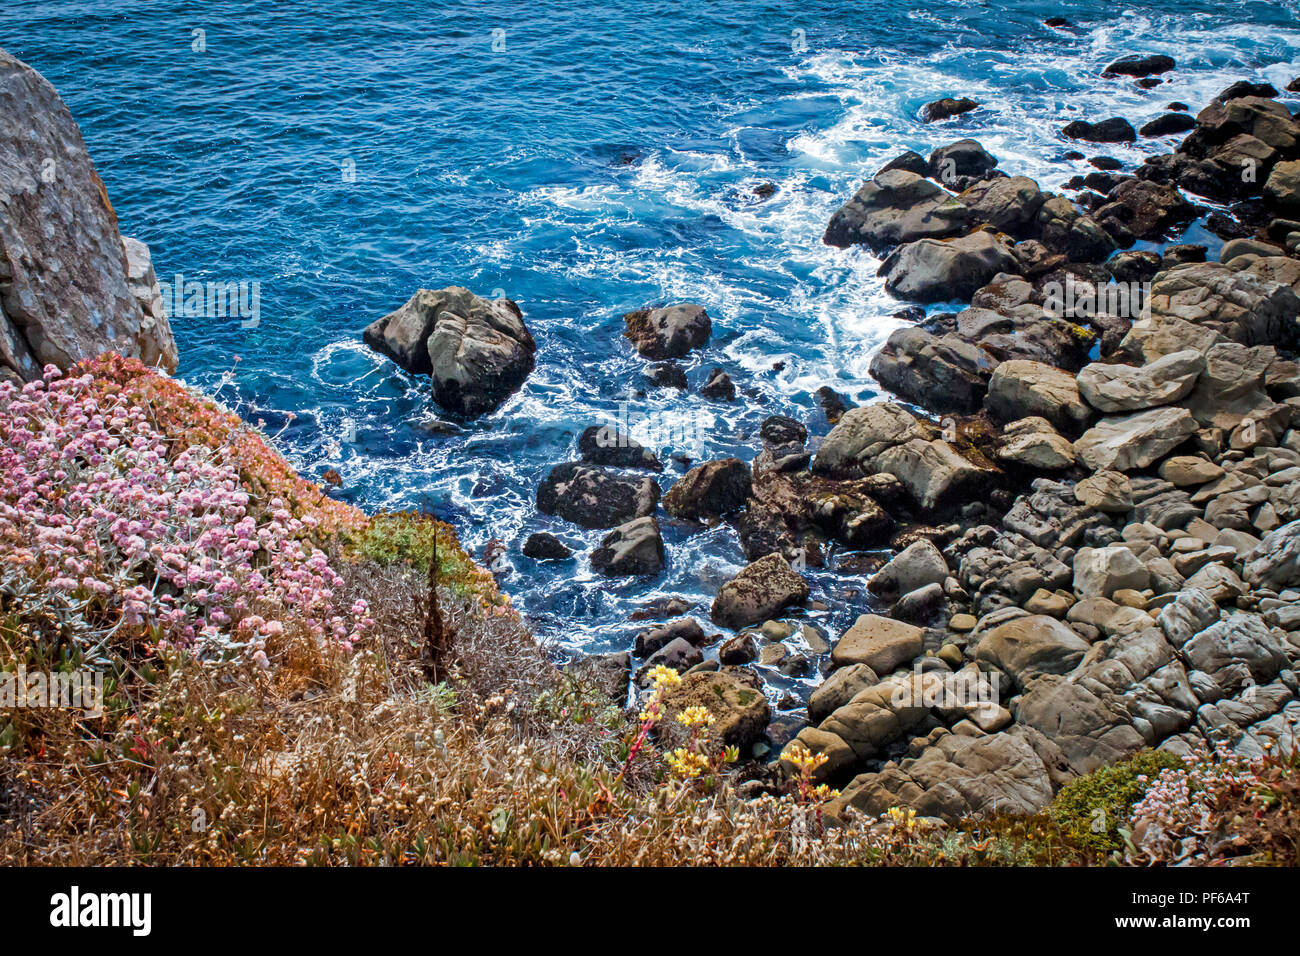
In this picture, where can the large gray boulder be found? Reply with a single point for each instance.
(1020, 389)
(917, 565)
(1240, 306)
(67, 291)
(1027, 647)
(1231, 389)
(1134, 441)
(1275, 563)
(477, 351)
(632, 548)
(932, 270)
(887, 439)
(875, 718)
(1236, 640)
(710, 490)
(1010, 204)
(897, 206)
(1033, 443)
(942, 373)
(838, 689)
(1153, 337)
(1128, 388)
(881, 643)
(957, 778)
(1100, 572)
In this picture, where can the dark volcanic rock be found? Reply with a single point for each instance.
(944, 374)
(1113, 130)
(477, 351)
(1246, 88)
(1168, 124)
(833, 403)
(719, 386)
(594, 498)
(794, 507)
(910, 161)
(710, 490)
(667, 375)
(609, 445)
(947, 107)
(670, 332)
(652, 639)
(783, 430)
(1147, 210)
(964, 159)
(543, 546)
(1139, 66)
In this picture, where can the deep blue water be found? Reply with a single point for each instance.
(599, 162)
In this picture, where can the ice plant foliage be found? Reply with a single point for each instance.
(109, 522)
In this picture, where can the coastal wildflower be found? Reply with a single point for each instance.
(902, 819)
(686, 763)
(663, 677)
(147, 536)
(695, 717)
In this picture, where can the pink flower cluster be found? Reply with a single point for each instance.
(100, 517)
(1174, 819)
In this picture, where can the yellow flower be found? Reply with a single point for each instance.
(686, 763)
(693, 716)
(904, 818)
(664, 677)
(803, 758)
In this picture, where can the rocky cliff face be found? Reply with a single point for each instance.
(70, 286)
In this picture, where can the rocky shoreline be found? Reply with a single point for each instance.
(1082, 516)
(1082, 513)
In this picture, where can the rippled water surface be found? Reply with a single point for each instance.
(584, 160)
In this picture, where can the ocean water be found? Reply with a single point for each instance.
(585, 160)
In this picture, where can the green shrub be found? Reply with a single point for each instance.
(1090, 810)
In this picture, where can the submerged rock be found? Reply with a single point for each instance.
(1135, 65)
(542, 546)
(946, 108)
(1113, 130)
(1134, 441)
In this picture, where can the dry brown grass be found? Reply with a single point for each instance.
(331, 759)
